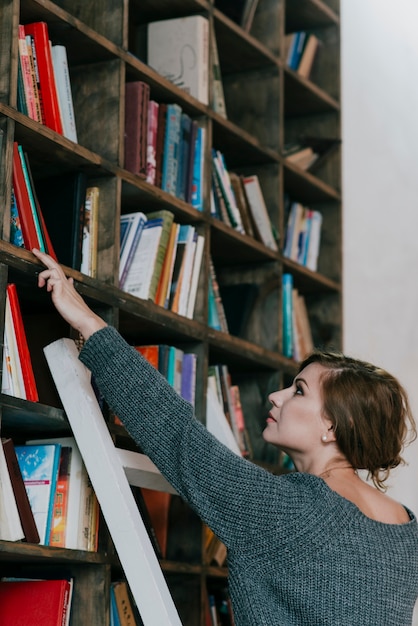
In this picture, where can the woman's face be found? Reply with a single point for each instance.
(295, 422)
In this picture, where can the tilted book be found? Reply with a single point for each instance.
(178, 49)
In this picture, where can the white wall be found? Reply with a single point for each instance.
(380, 190)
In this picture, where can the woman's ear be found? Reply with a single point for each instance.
(329, 433)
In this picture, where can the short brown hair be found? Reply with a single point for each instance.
(369, 410)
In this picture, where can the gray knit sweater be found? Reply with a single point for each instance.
(298, 553)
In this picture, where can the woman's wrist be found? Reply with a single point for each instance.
(90, 324)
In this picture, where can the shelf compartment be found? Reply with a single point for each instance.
(34, 417)
(306, 187)
(229, 247)
(237, 49)
(305, 98)
(310, 282)
(308, 14)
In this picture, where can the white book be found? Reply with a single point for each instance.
(178, 49)
(131, 225)
(10, 525)
(314, 241)
(259, 211)
(138, 280)
(187, 270)
(63, 85)
(197, 263)
(14, 368)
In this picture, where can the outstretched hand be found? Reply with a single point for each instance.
(68, 302)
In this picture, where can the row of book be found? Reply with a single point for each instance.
(123, 610)
(163, 144)
(44, 86)
(70, 233)
(303, 235)
(160, 260)
(46, 495)
(239, 202)
(296, 329)
(301, 49)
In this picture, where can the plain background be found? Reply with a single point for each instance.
(380, 191)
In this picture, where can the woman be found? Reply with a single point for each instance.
(317, 547)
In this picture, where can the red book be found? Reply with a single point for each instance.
(150, 353)
(22, 345)
(30, 237)
(158, 506)
(136, 127)
(48, 90)
(34, 602)
(23, 505)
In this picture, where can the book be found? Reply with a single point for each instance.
(225, 186)
(308, 56)
(188, 377)
(30, 229)
(314, 241)
(39, 466)
(12, 375)
(30, 46)
(89, 246)
(259, 211)
(152, 134)
(218, 96)
(194, 281)
(137, 95)
(64, 93)
(178, 49)
(188, 236)
(65, 225)
(11, 528)
(158, 506)
(81, 498)
(16, 234)
(29, 382)
(35, 602)
(26, 72)
(131, 225)
(47, 86)
(27, 519)
(240, 11)
(60, 507)
(162, 121)
(144, 272)
(287, 315)
(164, 284)
(183, 156)
(170, 157)
(124, 607)
(196, 197)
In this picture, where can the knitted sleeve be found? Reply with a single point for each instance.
(232, 495)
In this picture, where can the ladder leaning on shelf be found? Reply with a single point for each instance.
(111, 472)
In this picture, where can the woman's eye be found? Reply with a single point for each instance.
(298, 391)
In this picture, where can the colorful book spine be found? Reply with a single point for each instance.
(47, 85)
(171, 148)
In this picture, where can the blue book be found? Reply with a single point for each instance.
(16, 235)
(188, 377)
(131, 226)
(298, 49)
(287, 314)
(32, 200)
(171, 149)
(39, 464)
(197, 179)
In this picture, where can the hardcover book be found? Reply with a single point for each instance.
(178, 49)
(35, 602)
(137, 96)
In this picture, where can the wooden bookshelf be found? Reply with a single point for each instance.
(268, 105)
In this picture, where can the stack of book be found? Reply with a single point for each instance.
(18, 377)
(228, 396)
(301, 50)
(160, 260)
(44, 86)
(69, 235)
(163, 145)
(303, 235)
(296, 333)
(239, 202)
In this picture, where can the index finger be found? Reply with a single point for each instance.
(47, 260)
